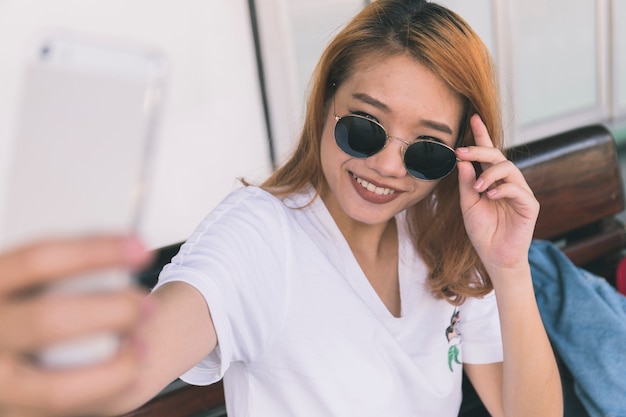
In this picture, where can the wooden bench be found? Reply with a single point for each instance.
(576, 178)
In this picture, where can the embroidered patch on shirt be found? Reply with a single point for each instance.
(454, 339)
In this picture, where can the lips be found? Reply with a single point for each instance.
(373, 188)
(373, 193)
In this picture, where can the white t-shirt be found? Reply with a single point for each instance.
(301, 332)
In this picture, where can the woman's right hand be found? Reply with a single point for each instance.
(31, 320)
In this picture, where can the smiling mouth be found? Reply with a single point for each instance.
(373, 188)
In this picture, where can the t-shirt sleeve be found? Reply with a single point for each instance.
(236, 257)
(480, 329)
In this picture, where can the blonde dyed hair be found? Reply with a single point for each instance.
(443, 42)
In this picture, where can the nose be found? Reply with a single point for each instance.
(388, 162)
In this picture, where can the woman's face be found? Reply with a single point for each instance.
(408, 100)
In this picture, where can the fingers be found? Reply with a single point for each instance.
(493, 178)
(481, 135)
(31, 323)
(52, 260)
(25, 385)
(33, 318)
(496, 168)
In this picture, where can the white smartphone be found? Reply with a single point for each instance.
(80, 157)
(86, 120)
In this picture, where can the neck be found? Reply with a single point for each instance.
(369, 240)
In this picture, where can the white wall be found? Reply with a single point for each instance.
(293, 35)
(619, 52)
(211, 131)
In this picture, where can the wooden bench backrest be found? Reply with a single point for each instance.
(577, 179)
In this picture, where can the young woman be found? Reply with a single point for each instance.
(387, 256)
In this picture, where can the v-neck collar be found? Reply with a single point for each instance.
(335, 246)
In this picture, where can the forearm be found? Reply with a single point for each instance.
(531, 382)
(171, 344)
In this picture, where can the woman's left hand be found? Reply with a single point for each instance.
(499, 208)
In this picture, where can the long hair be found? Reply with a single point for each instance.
(443, 42)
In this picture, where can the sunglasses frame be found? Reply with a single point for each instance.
(420, 139)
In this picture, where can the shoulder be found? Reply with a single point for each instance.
(248, 216)
(259, 197)
(245, 203)
(249, 223)
(244, 196)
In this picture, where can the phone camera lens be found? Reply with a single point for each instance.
(45, 51)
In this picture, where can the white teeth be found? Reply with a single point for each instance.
(371, 187)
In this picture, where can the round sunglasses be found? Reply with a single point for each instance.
(426, 159)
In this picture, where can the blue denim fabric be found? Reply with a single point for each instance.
(585, 318)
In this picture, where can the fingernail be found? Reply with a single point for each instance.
(492, 192)
(463, 150)
(479, 184)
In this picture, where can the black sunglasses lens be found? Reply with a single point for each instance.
(359, 137)
(429, 160)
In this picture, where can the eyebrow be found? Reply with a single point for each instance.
(441, 127)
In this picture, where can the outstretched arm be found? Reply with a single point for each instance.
(500, 211)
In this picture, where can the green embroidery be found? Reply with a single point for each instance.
(453, 333)
(453, 356)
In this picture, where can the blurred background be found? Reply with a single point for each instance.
(216, 90)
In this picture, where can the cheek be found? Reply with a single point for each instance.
(420, 191)
(332, 156)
